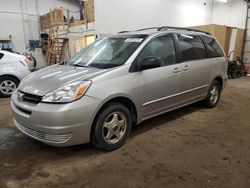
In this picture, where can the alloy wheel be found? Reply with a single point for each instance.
(114, 127)
(214, 94)
(7, 87)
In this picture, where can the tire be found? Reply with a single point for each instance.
(8, 85)
(107, 134)
(213, 95)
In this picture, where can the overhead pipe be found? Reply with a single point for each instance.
(38, 17)
(24, 29)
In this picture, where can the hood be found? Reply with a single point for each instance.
(48, 79)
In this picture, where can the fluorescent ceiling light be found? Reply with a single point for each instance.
(222, 1)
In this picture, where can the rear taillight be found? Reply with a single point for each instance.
(29, 57)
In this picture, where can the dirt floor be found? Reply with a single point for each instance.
(190, 147)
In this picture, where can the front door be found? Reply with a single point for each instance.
(160, 87)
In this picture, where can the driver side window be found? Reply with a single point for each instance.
(163, 48)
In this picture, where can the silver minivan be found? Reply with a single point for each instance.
(117, 82)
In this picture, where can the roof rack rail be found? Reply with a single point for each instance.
(147, 28)
(139, 30)
(123, 32)
(181, 28)
(162, 28)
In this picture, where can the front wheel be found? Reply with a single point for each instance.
(112, 127)
(213, 95)
(8, 85)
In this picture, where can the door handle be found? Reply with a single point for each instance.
(186, 67)
(176, 70)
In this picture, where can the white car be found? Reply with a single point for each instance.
(13, 68)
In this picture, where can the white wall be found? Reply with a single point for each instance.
(20, 18)
(11, 24)
(233, 13)
(113, 16)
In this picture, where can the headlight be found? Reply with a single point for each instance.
(67, 93)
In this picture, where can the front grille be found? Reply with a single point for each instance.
(30, 98)
(52, 138)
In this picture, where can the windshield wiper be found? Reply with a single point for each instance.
(63, 63)
(79, 65)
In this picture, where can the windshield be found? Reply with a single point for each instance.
(107, 53)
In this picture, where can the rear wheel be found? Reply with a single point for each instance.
(8, 85)
(213, 95)
(112, 127)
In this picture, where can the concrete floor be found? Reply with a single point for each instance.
(190, 147)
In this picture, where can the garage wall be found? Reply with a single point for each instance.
(113, 16)
(19, 18)
(232, 14)
(11, 24)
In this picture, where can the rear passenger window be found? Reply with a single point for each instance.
(214, 49)
(162, 47)
(1, 55)
(192, 48)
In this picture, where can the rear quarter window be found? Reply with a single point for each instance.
(1, 55)
(192, 47)
(214, 49)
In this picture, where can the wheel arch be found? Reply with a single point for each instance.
(118, 99)
(10, 75)
(220, 80)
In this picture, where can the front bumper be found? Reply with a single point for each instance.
(44, 137)
(55, 124)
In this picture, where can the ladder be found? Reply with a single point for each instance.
(56, 43)
(55, 46)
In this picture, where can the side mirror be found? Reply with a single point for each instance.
(149, 63)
